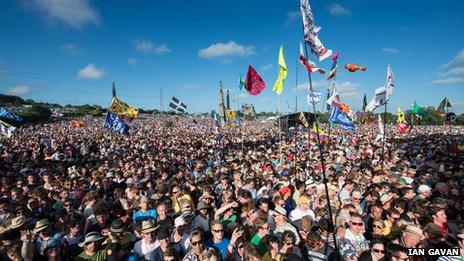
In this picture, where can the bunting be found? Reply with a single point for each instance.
(279, 85)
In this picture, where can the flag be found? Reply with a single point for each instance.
(364, 103)
(217, 122)
(314, 97)
(254, 84)
(334, 68)
(381, 128)
(231, 114)
(310, 32)
(114, 91)
(403, 127)
(116, 124)
(318, 130)
(77, 124)
(279, 85)
(7, 114)
(241, 83)
(6, 129)
(177, 105)
(400, 113)
(390, 83)
(122, 109)
(443, 107)
(227, 100)
(338, 117)
(222, 108)
(382, 94)
(309, 65)
(417, 110)
(303, 120)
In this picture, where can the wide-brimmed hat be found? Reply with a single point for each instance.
(385, 198)
(414, 230)
(280, 211)
(91, 237)
(202, 205)
(15, 223)
(148, 226)
(41, 225)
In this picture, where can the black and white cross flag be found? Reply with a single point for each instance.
(177, 105)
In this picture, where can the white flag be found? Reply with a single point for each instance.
(333, 97)
(6, 129)
(314, 97)
(310, 32)
(378, 100)
(390, 82)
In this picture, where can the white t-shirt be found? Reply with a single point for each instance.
(143, 250)
(297, 214)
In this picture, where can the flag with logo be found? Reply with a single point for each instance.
(7, 114)
(314, 97)
(400, 113)
(417, 110)
(309, 65)
(254, 84)
(339, 117)
(279, 85)
(382, 94)
(122, 109)
(116, 124)
(443, 107)
(303, 120)
(311, 31)
(334, 68)
(6, 129)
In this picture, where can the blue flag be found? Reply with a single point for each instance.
(6, 114)
(339, 117)
(116, 124)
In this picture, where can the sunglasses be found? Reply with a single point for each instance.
(378, 251)
(218, 231)
(356, 198)
(356, 224)
(288, 243)
(460, 238)
(67, 205)
(241, 246)
(377, 226)
(196, 243)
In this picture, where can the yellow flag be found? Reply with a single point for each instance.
(122, 108)
(279, 85)
(317, 130)
(400, 115)
(231, 114)
(303, 120)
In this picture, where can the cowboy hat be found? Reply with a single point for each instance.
(91, 237)
(148, 226)
(41, 225)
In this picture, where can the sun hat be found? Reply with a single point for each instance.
(385, 198)
(202, 205)
(179, 221)
(41, 225)
(280, 211)
(148, 226)
(91, 237)
(414, 230)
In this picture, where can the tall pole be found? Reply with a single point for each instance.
(384, 133)
(161, 100)
(297, 123)
(280, 127)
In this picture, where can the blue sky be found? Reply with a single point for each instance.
(71, 51)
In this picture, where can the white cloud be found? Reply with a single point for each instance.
(347, 90)
(319, 84)
(338, 10)
(149, 47)
(189, 87)
(19, 90)
(266, 67)
(226, 50)
(457, 61)
(90, 72)
(292, 16)
(447, 81)
(74, 13)
(458, 71)
(71, 48)
(389, 50)
(132, 61)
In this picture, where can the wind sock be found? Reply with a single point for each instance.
(6, 129)
(314, 97)
(338, 117)
(334, 69)
(122, 109)
(443, 107)
(303, 120)
(254, 84)
(77, 124)
(279, 85)
(309, 65)
(311, 32)
(116, 124)
(353, 67)
(7, 114)
(417, 110)
(400, 113)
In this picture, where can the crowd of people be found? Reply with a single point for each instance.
(182, 191)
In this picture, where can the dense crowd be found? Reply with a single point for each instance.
(182, 191)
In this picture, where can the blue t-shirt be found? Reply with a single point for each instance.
(140, 216)
(220, 247)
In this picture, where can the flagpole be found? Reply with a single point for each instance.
(296, 112)
(280, 132)
(384, 133)
(321, 156)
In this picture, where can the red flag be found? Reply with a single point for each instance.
(254, 84)
(309, 65)
(403, 127)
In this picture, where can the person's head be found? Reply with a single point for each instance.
(161, 210)
(400, 205)
(73, 227)
(248, 251)
(376, 211)
(170, 255)
(408, 193)
(288, 238)
(92, 242)
(196, 241)
(392, 215)
(412, 236)
(279, 215)
(424, 191)
(356, 197)
(377, 226)
(185, 205)
(377, 246)
(261, 226)
(175, 191)
(217, 230)
(147, 231)
(314, 240)
(439, 215)
(303, 202)
(356, 223)
(460, 238)
(396, 252)
(349, 185)
(100, 215)
(144, 203)
(163, 237)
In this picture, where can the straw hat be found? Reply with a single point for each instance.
(41, 225)
(148, 226)
(16, 222)
(414, 230)
(91, 237)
